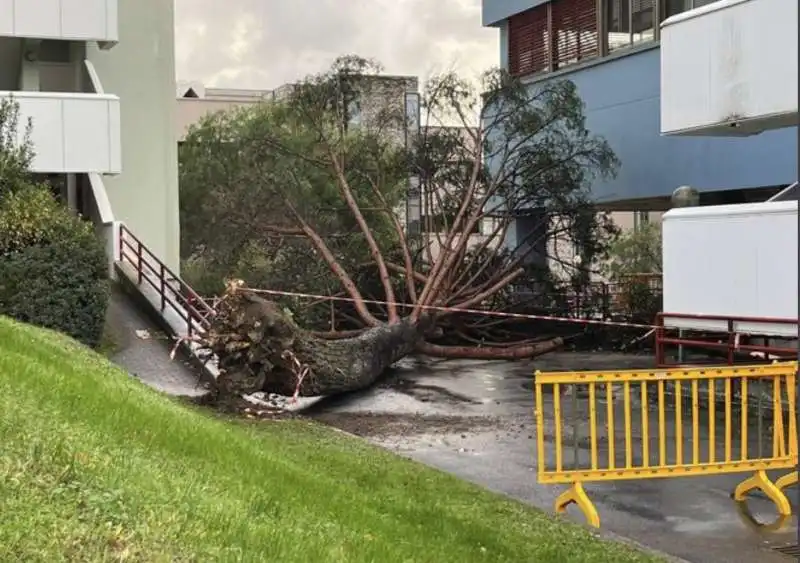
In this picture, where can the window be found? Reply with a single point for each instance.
(672, 7)
(552, 36)
(629, 22)
(640, 219)
(574, 28)
(354, 112)
(528, 39)
(563, 32)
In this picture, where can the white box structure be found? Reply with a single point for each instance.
(730, 68)
(71, 132)
(732, 261)
(75, 20)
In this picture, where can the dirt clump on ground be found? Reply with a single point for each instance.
(376, 425)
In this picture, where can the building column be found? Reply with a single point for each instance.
(72, 193)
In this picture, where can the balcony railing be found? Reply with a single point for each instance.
(730, 68)
(72, 132)
(76, 20)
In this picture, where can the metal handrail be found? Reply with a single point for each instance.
(184, 301)
(731, 344)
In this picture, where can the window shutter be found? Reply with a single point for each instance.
(575, 33)
(528, 41)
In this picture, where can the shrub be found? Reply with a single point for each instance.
(52, 265)
(15, 157)
(634, 265)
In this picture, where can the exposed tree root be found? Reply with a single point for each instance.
(260, 348)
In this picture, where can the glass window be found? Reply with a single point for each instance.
(672, 7)
(618, 24)
(643, 20)
(354, 112)
(629, 22)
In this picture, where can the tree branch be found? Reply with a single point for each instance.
(336, 268)
(347, 193)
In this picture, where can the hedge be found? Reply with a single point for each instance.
(53, 269)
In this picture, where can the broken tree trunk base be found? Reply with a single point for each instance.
(260, 348)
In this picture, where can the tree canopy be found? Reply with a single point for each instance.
(296, 194)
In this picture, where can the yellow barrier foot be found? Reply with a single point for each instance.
(776, 525)
(760, 480)
(787, 480)
(577, 495)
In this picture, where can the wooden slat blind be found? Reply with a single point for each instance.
(551, 36)
(528, 41)
(575, 34)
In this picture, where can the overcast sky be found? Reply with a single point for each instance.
(266, 43)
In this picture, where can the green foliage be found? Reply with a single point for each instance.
(634, 265)
(247, 174)
(52, 265)
(15, 149)
(637, 251)
(278, 193)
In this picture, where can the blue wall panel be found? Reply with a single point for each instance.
(622, 105)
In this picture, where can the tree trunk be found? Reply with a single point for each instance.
(260, 348)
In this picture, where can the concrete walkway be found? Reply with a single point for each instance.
(143, 351)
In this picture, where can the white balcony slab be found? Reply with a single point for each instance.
(76, 20)
(732, 261)
(72, 133)
(730, 68)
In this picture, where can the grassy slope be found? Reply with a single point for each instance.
(96, 467)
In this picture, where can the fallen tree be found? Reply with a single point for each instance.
(261, 348)
(318, 199)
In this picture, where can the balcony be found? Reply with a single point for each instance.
(732, 261)
(730, 68)
(76, 20)
(72, 133)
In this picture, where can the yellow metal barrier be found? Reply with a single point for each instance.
(647, 424)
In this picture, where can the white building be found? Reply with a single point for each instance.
(720, 76)
(97, 80)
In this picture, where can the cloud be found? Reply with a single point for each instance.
(265, 43)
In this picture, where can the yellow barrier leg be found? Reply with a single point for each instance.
(787, 480)
(577, 495)
(760, 480)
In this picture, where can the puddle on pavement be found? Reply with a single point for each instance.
(427, 393)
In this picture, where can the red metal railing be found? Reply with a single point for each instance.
(171, 289)
(730, 341)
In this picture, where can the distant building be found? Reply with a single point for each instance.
(384, 92)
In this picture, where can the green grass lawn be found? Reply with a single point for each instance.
(96, 467)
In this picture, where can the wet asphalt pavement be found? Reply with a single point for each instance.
(475, 420)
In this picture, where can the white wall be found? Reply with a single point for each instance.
(82, 20)
(732, 260)
(732, 61)
(71, 133)
(141, 71)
